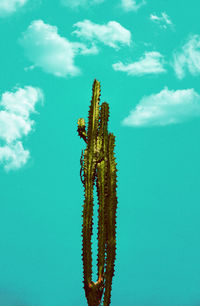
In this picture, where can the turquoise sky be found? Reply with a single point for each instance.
(146, 55)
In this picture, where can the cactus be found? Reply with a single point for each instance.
(98, 166)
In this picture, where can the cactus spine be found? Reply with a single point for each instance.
(98, 165)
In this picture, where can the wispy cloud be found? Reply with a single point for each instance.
(188, 58)
(80, 3)
(46, 49)
(15, 123)
(132, 5)
(8, 7)
(164, 20)
(164, 108)
(150, 63)
(112, 34)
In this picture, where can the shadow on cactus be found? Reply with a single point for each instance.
(98, 166)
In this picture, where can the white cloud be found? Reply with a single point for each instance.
(164, 20)
(188, 58)
(10, 6)
(13, 156)
(80, 3)
(111, 34)
(164, 108)
(15, 122)
(150, 63)
(83, 49)
(132, 5)
(51, 52)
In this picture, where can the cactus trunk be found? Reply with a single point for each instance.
(98, 165)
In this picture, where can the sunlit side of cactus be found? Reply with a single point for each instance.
(98, 165)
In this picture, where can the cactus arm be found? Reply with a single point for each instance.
(111, 206)
(101, 188)
(89, 174)
(87, 230)
(93, 121)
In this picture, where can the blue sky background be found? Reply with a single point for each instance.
(146, 55)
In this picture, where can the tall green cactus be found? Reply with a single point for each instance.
(98, 164)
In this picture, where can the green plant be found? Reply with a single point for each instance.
(98, 164)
